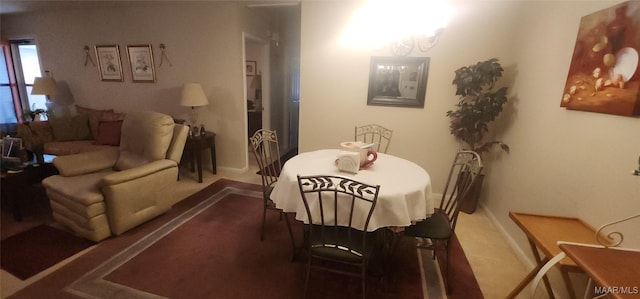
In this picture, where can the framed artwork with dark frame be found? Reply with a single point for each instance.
(141, 62)
(398, 81)
(251, 67)
(109, 64)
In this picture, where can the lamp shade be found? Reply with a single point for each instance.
(193, 95)
(44, 86)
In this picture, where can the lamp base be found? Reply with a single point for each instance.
(192, 117)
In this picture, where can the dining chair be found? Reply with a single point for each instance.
(265, 147)
(338, 213)
(373, 133)
(440, 227)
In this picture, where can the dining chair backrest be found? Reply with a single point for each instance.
(335, 204)
(338, 212)
(373, 133)
(463, 175)
(265, 147)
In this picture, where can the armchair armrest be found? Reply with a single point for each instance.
(137, 172)
(87, 162)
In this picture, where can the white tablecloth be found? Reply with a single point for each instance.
(405, 188)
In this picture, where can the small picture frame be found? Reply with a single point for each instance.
(251, 67)
(141, 62)
(109, 64)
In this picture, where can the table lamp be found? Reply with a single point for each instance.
(193, 96)
(45, 86)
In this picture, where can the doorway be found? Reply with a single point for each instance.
(278, 66)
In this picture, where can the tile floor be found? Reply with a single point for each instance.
(496, 266)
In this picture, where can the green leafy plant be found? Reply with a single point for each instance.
(31, 114)
(479, 104)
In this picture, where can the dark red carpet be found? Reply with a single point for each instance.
(460, 271)
(217, 253)
(30, 252)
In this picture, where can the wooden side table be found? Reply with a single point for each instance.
(543, 233)
(615, 270)
(194, 147)
(19, 187)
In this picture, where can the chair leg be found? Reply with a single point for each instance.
(434, 246)
(264, 220)
(364, 278)
(293, 243)
(445, 277)
(306, 280)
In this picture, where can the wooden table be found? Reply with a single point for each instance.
(194, 147)
(616, 271)
(544, 232)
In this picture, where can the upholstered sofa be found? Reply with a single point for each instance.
(107, 192)
(88, 130)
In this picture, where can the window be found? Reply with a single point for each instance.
(16, 82)
(7, 110)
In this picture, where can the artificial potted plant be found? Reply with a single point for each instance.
(479, 103)
(34, 115)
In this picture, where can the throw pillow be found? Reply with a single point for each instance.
(94, 117)
(71, 128)
(109, 132)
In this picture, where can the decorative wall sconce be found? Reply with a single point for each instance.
(400, 24)
(426, 42)
(87, 56)
(163, 56)
(405, 45)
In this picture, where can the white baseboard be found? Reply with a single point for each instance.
(522, 256)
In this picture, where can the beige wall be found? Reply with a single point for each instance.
(561, 162)
(334, 80)
(203, 42)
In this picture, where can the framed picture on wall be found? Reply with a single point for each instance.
(398, 81)
(109, 64)
(604, 72)
(251, 67)
(141, 62)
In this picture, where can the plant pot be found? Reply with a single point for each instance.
(470, 203)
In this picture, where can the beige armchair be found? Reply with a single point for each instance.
(107, 192)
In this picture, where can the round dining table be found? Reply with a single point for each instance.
(405, 188)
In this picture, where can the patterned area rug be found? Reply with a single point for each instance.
(32, 251)
(208, 246)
